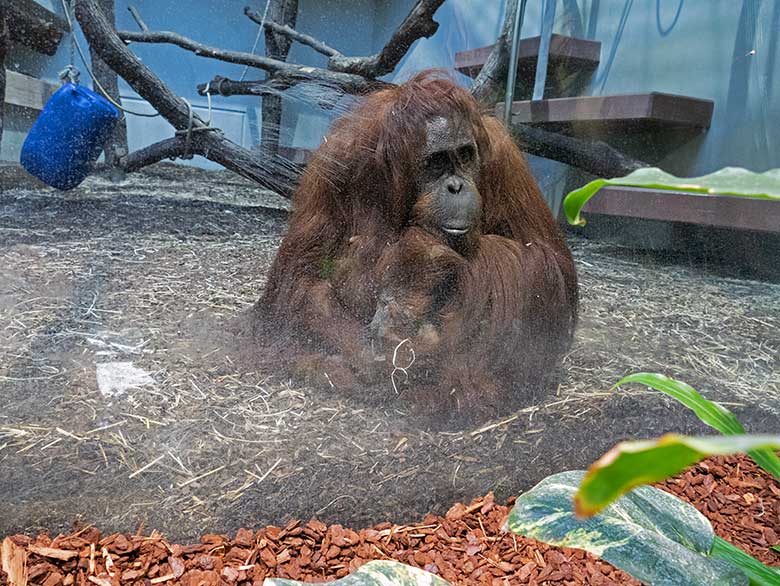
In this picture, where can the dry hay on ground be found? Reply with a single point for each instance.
(144, 276)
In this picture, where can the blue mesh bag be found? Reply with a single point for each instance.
(68, 135)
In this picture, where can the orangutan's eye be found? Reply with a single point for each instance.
(437, 161)
(466, 154)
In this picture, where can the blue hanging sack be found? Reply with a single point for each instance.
(68, 136)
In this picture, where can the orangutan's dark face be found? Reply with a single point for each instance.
(449, 203)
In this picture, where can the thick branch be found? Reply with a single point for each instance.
(229, 87)
(170, 148)
(492, 77)
(596, 157)
(285, 12)
(3, 51)
(116, 145)
(212, 145)
(114, 53)
(224, 86)
(291, 33)
(419, 23)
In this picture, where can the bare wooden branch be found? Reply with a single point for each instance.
(224, 86)
(137, 18)
(213, 145)
(291, 33)
(202, 50)
(596, 157)
(169, 148)
(34, 26)
(116, 145)
(277, 46)
(492, 77)
(359, 86)
(3, 51)
(291, 72)
(418, 23)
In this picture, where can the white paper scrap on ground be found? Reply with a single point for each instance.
(115, 378)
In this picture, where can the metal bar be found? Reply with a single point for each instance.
(548, 19)
(511, 77)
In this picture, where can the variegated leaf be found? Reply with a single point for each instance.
(376, 573)
(651, 534)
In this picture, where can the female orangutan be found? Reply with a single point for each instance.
(420, 254)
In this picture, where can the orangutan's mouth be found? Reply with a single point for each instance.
(455, 230)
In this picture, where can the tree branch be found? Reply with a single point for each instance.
(419, 23)
(492, 77)
(213, 145)
(291, 73)
(595, 157)
(4, 34)
(224, 86)
(228, 87)
(291, 33)
(170, 148)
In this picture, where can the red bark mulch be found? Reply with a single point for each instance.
(466, 546)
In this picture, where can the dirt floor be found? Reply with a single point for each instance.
(468, 546)
(122, 402)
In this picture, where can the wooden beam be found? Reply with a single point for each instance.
(35, 26)
(653, 110)
(27, 92)
(720, 211)
(578, 53)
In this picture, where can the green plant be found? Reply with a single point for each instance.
(633, 463)
(653, 535)
(709, 412)
(375, 573)
(727, 181)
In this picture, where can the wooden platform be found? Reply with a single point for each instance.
(27, 92)
(722, 211)
(34, 26)
(650, 111)
(580, 54)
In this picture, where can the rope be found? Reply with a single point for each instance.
(74, 42)
(71, 73)
(187, 154)
(257, 38)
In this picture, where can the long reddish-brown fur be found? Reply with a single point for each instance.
(511, 305)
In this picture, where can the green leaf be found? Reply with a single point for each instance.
(375, 573)
(709, 412)
(630, 464)
(727, 181)
(653, 535)
(758, 573)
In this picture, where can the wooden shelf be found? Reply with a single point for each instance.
(650, 111)
(27, 92)
(34, 26)
(578, 54)
(720, 211)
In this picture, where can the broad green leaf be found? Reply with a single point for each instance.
(727, 181)
(651, 534)
(376, 573)
(758, 573)
(709, 412)
(630, 464)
